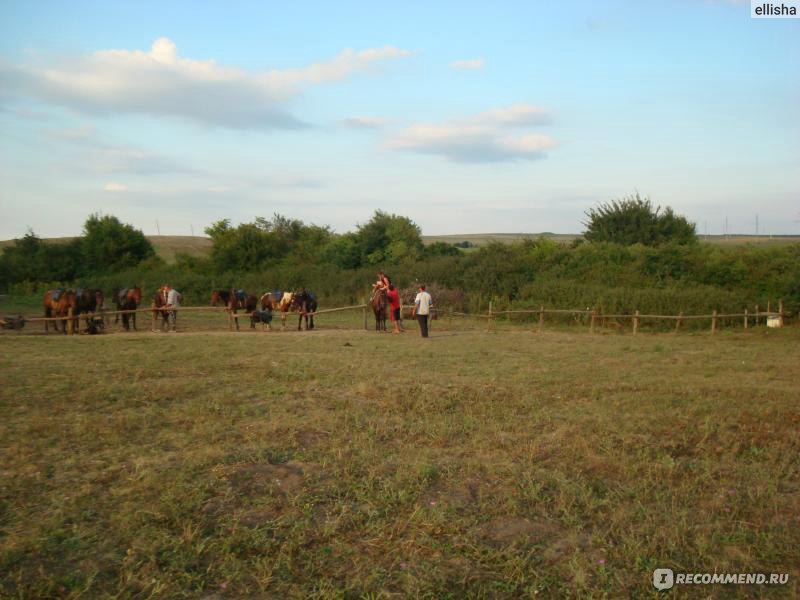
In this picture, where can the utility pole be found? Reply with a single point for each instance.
(726, 227)
(158, 229)
(191, 227)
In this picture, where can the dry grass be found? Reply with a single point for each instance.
(352, 464)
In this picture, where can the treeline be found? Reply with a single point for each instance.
(666, 277)
(106, 246)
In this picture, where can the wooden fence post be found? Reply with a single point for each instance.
(70, 322)
(364, 311)
(756, 315)
(745, 318)
(591, 321)
(155, 317)
(541, 318)
(635, 322)
(489, 320)
(780, 312)
(713, 321)
(678, 322)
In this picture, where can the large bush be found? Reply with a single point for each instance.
(634, 220)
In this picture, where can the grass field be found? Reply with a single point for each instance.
(343, 463)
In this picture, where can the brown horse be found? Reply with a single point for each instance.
(159, 301)
(57, 304)
(380, 308)
(127, 299)
(305, 303)
(235, 300)
(87, 300)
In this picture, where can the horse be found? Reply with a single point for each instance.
(159, 301)
(380, 308)
(57, 304)
(305, 303)
(87, 300)
(127, 299)
(234, 300)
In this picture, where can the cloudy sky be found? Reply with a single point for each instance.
(465, 116)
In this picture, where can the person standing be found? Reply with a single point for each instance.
(422, 309)
(173, 302)
(393, 295)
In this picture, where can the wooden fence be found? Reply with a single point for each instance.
(72, 321)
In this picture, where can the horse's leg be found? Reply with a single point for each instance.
(133, 317)
(312, 321)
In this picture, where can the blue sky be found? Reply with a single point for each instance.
(466, 117)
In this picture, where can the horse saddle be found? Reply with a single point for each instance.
(241, 295)
(123, 294)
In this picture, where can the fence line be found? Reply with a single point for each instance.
(71, 319)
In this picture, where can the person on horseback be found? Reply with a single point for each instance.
(382, 283)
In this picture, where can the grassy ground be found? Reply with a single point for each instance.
(344, 463)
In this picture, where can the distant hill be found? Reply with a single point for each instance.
(168, 245)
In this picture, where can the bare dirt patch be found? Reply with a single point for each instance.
(504, 531)
(285, 479)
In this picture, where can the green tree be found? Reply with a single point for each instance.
(388, 238)
(108, 245)
(634, 220)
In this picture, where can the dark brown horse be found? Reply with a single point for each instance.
(305, 303)
(380, 308)
(127, 299)
(235, 300)
(159, 301)
(57, 304)
(87, 302)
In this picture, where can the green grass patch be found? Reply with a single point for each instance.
(342, 463)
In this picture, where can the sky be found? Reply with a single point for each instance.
(467, 117)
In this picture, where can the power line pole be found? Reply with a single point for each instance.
(158, 229)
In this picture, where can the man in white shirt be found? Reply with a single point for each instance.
(422, 308)
(173, 301)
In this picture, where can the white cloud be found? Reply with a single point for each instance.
(471, 64)
(516, 115)
(113, 186)
(485, 137)
(364, 122)
(161, 82)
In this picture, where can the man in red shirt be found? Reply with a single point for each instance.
(394, 303)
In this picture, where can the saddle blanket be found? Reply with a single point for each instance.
(263, 316)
